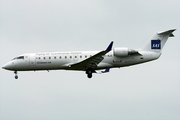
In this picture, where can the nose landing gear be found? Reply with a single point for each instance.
(16, 76)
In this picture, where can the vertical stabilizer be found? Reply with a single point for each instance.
(158, 41)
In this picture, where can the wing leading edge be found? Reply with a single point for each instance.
(91, 62)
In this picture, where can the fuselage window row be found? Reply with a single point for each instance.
(60, 57)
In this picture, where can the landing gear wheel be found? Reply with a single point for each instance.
(89, 75)
(16, 77)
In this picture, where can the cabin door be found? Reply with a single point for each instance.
(32, 59)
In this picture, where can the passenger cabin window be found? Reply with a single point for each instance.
(54, 57)
(49, 57)
(70, 56)
(65, 57)
(44, 57)
(59, 57)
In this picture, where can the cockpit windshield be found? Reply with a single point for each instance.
(20, 57)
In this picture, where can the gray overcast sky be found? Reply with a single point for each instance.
(149, 91)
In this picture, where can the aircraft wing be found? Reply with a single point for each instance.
(92, 61)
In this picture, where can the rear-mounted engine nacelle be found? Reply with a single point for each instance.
(123, 52)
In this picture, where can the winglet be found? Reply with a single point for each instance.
(107, 70)
(109, 47)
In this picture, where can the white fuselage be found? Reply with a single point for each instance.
(62, 60)
(90, 61)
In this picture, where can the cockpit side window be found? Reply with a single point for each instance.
(20, 57)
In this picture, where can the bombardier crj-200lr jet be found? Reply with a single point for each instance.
(90, 61)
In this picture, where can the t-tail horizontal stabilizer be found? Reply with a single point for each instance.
(169, 32)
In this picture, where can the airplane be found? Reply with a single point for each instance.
(90, 61)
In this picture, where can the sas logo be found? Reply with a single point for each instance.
(155, 44)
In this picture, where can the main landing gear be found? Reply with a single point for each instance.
(89, 73)
(16, 76)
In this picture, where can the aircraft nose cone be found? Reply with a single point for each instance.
(3, 67)
(8, 66)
